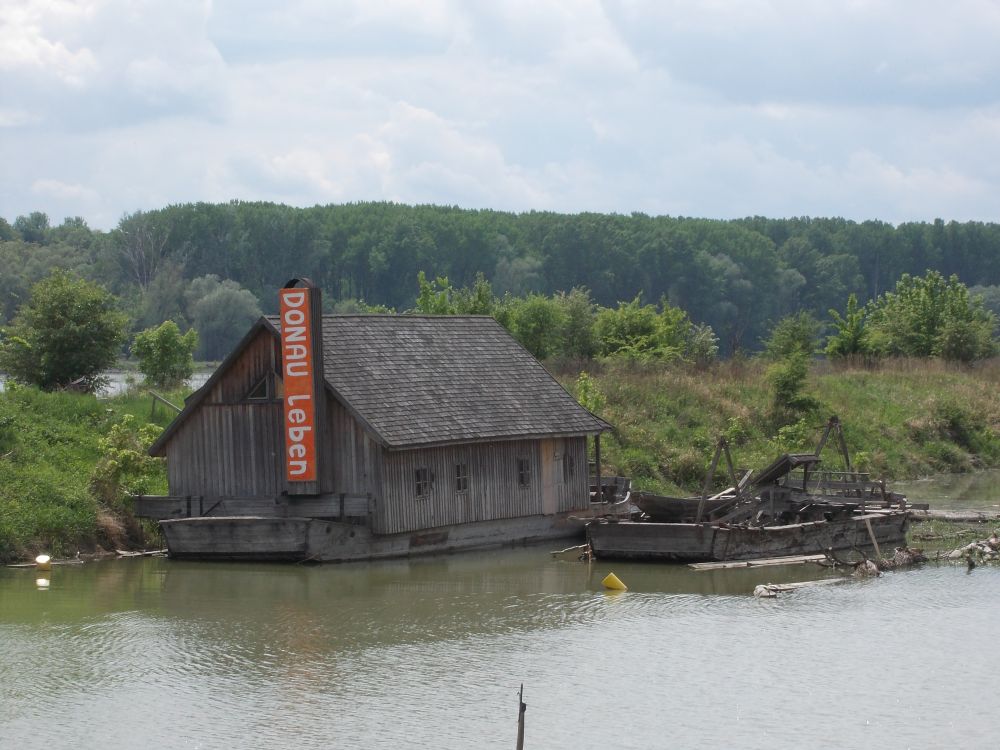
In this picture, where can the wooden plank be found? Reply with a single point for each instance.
(955, 516)
(166, 507)
(871, 534)
(761, 563)
(771, 590)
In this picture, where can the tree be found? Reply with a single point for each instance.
(536, 322)
(435, 297)
(640, 332)
(630, 331)
(33, 228)
(931, 316)
(852, 334)
(222, 312)
(141, 239)
(787, 377)
(577, 331)
(69, 331)
(793, 333)
(165, 356)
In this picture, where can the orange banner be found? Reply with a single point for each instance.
(298, 366)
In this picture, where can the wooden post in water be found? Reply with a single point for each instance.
(871, 535)
(597, 467)
(521, 708)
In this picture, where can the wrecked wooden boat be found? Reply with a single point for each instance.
(719, 542)
(666, 509)
(790, 508)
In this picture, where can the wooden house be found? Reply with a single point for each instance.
(432, 433)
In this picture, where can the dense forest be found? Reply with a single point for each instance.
(217, 266)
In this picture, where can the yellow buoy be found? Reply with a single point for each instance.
(611, 581)
(43, 562)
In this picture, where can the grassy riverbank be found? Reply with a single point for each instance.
(49, 449)
(904, 419)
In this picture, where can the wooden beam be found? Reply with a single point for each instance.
(871, 535)
(761, 563)
(771, 590)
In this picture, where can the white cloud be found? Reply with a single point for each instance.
(25, 46)
(63, 191)
(882, 109)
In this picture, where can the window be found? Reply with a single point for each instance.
(461, 478)
(423, 482)
(569, 468)
(523, 472)
(261, 391)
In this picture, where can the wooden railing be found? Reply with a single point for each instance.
(338, 506)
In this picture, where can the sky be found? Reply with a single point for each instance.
(866, 109)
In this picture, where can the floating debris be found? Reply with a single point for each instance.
(975, 553)
(772, 590)
(902, 557)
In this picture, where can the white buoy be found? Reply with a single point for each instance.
(43, 562)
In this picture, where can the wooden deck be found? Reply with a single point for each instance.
(333, 506)
(320, 540)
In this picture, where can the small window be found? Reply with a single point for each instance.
(569, 468)
(461, 478)
(261, 391)
(523, 472)
(423, 482)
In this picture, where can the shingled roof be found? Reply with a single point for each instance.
(430, 380)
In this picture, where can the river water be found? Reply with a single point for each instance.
(431, 652)
(120, 381)
(950, 491)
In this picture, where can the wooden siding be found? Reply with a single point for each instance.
(258, 359)
(230, 447)
(494, 491)
(355, 458)
(573, 491)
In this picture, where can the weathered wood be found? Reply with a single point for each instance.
(157, 397)
(598, 468)
(761, 563)
(51, 562)
(324, 540)
(678, 542)
(574, 553)
(235, 537)
(871, 535)
(384, 425)
(324, 506)
(771, 590)
(143, 553)
(955, 516)
(521, 708)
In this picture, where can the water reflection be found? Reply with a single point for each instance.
(120, 381)
(978, 490)
(430, 653)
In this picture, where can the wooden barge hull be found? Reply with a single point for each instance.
(321, 540)
(688, 542)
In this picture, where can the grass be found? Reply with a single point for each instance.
(904, 419)
(49, 446)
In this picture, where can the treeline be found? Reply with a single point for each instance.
(217, 266)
